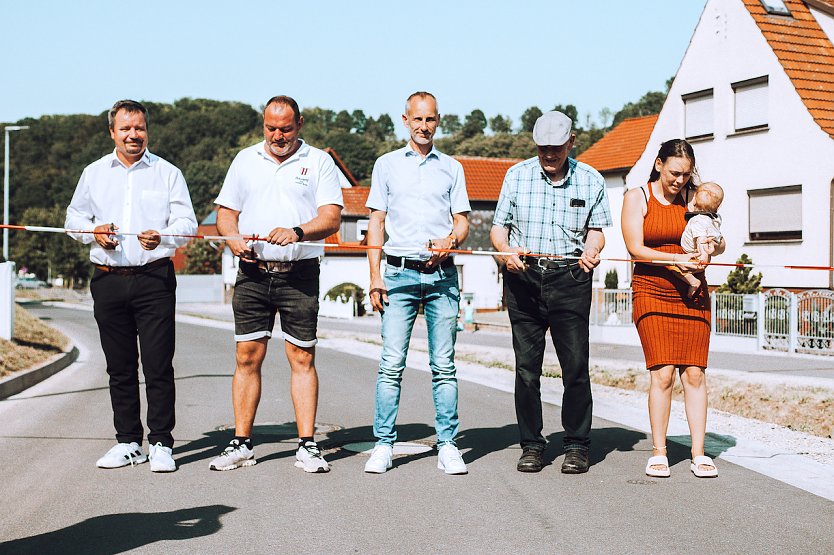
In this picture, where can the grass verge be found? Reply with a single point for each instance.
(32, 342)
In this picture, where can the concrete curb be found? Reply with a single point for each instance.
(20, 381)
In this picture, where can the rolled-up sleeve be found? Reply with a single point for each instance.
(328, 188)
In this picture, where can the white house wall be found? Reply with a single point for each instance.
(728, 47)
(614, 243)
(480, 277)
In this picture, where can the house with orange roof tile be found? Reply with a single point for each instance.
(613, 156)
(754, 94)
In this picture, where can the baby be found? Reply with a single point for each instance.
(702, 232)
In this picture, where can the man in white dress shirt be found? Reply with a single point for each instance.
(285, 191)
(133, 284)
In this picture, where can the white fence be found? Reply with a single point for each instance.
(776, 320)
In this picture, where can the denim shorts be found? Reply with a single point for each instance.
(294, 295)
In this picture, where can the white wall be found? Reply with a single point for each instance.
(728, 47)
(614, 244)
(480, 276)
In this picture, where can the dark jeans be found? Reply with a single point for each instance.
(142, 306)
(559, 299)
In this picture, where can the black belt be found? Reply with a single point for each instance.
(283, 267)
(547, 263)
(419, 265)
(133, 270)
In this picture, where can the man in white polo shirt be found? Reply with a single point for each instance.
(284, 191)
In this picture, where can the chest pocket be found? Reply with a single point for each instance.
(576, 217)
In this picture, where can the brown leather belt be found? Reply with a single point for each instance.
(133, 270)
(283, 267)
(419, 265)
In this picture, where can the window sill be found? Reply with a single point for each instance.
(701, 138)
(773, 242)
(751, 131)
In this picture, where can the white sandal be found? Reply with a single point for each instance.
(658, 460)
(703, 460)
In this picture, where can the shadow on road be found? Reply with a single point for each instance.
(714, 446)
(411, 432)
(123, 532)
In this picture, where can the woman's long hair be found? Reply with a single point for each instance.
(676, 148)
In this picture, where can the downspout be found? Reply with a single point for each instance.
(831, 235)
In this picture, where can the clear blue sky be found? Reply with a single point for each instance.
(62, 57)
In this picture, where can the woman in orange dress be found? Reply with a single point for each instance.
(674, 329)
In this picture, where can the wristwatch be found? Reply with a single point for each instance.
(299, 232)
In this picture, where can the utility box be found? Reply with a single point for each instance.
(7, 283)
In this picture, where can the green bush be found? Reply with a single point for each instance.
(612, 281)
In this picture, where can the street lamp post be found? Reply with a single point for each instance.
(6, 189)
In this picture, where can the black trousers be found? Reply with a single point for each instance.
(558, 299)
(142, 306)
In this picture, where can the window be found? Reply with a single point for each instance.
(698, 120)
(775, 214)
(751, 104)
(776, 7)
(361, 229)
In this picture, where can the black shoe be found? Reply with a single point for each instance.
(530, 461)
(576, 461)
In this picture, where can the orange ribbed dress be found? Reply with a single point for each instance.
(673, 328)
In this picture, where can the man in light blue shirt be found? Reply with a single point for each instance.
(418, 195)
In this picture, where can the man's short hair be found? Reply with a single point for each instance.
(129, 106)
(420, 94)
(285, 101)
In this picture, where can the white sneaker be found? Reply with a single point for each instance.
(309, 458)
(381, 459)
(235, 455)
(450, 461)
(161, 459)
(122, 454)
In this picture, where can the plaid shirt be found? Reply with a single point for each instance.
(552, 218)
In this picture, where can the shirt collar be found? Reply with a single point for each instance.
(409, 151)
(568, 174)
(303, 150)
(145, 159)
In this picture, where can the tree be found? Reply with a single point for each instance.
(359, 120)
(203, 257)
(356, 151)
(450, 124)
(50, 254)
(380, 129)
(740, 280)
(612, 280)
(474, 124)
(529, 117)
(504, 145)
(570, 111)
(649, 103)
(343, 121)
(500, 124)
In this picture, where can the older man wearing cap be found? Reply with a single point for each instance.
(551, 205)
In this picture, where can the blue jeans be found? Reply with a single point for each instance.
(438, 293)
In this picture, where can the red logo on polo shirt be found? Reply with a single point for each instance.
(304, 171)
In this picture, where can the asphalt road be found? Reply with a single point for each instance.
(56, 501)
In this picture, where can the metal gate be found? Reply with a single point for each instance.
(777, 320)
(815, 322)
